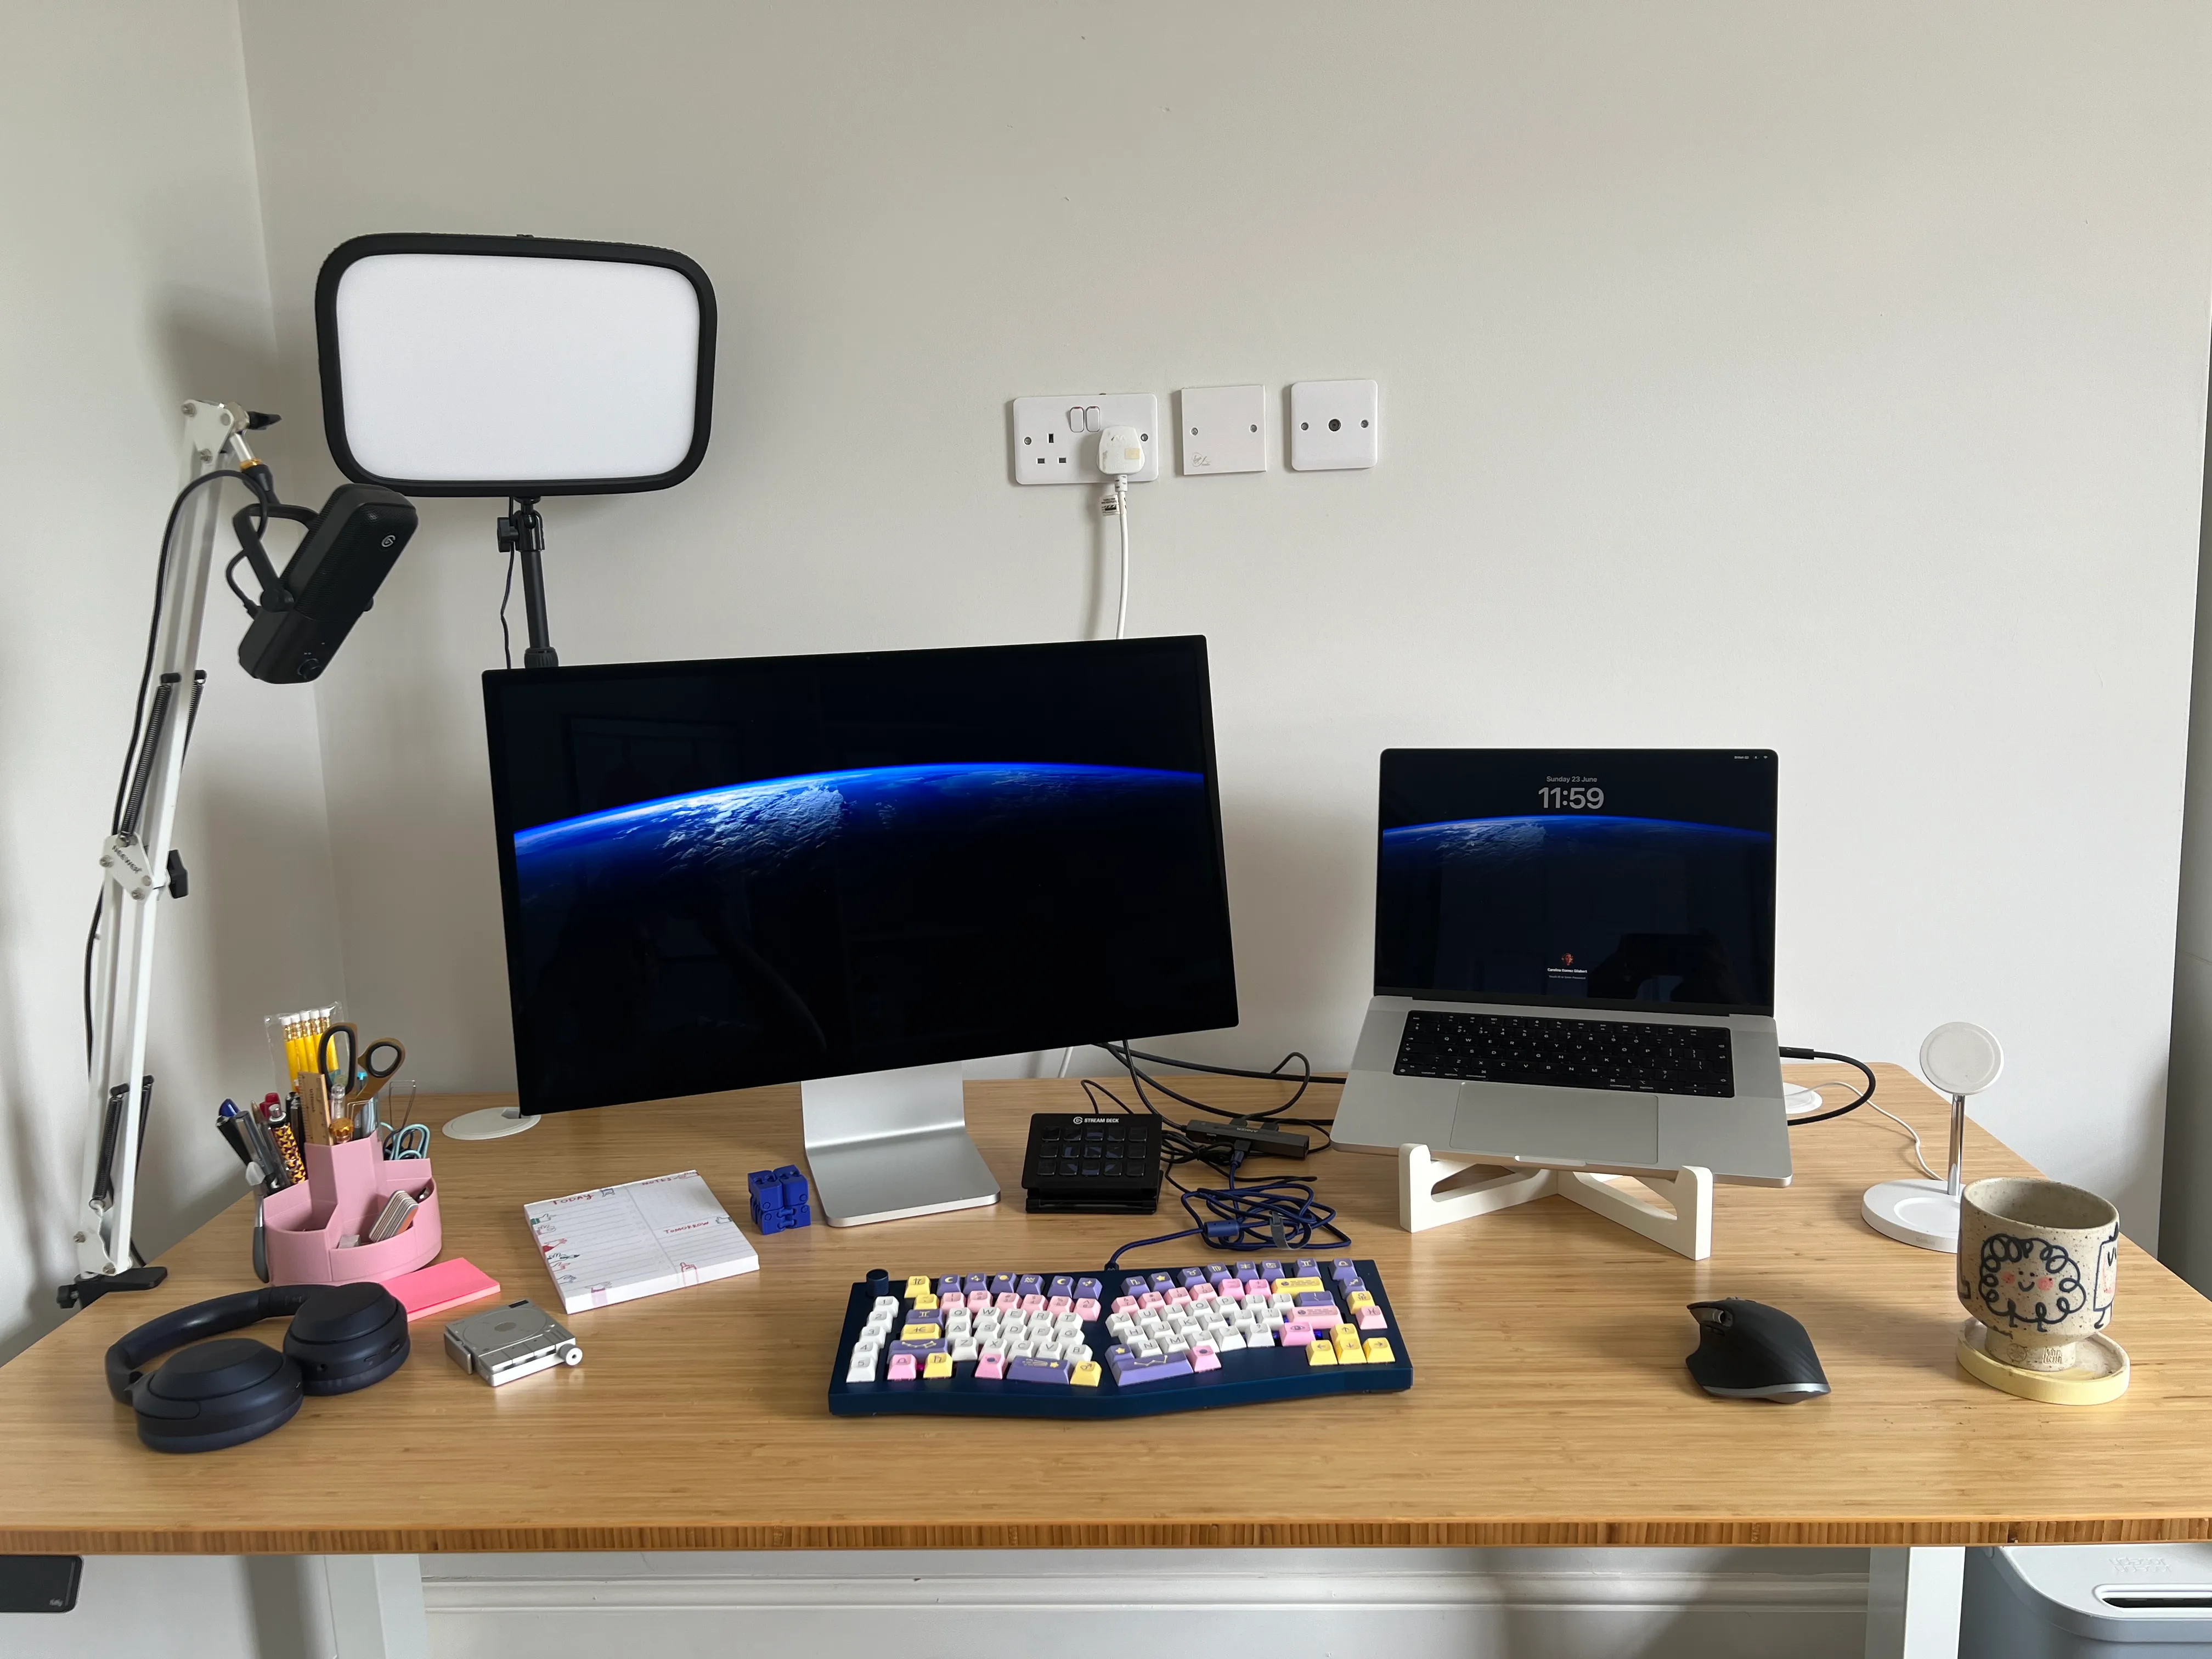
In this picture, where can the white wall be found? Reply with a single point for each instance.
(132, 275)
(1830, 379)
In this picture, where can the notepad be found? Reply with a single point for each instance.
(618, 1243)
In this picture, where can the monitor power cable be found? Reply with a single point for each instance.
(1864, 1097)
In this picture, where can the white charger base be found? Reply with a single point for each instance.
(1922, 1214)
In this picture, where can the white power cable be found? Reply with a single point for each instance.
(1121, 512)
(1919, 1153)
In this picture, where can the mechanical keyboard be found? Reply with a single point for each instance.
(1119, 1343)
(1646, 1055)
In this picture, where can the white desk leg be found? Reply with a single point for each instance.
(1913, 1603)
(376, 1606)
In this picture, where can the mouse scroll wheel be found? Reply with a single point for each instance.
(1719, 1318)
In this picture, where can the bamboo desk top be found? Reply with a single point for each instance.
(1550, 1404)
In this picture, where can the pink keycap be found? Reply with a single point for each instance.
(1204, 1294)
(1125, 1305)
(1296, 1334)
(1232, 1290)
(1006, 1302)
(1152, 1299)
(978, 1300)
(1178, 1296)
(1203, 1359)
(1371, 1319)
(991, 1363)
(1258, 1287)
(902, 1368)
(1033, 1303)
(1086, 1308)
(1059, 1304)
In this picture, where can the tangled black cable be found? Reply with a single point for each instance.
(1864, 1095)
(1305, 1077)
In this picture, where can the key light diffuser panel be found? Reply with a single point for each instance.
(496, 366)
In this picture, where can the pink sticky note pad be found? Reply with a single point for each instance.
(442, 1285)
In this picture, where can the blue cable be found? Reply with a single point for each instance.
(1273, 1215)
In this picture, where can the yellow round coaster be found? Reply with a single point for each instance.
(2100, 1372)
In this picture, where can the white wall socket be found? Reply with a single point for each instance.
(1056, 439)
(1224, 428)
(1335, 425)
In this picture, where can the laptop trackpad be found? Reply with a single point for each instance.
(1536, 1123)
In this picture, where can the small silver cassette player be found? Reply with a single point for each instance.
(518, 1340)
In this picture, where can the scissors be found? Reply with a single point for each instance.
(357, 1070)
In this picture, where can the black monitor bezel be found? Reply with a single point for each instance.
(1567, 760)
(1074, 1033)
(347, 254)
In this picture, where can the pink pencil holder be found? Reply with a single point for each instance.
(344, 1193)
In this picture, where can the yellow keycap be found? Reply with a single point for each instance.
(1345, 1336)
(920, 1332)
(1358, 1300)
(1320, 1353)
(1086, 1375)
(1348, 1353)
(1378, 1351)
(918, 1285)
(937, 1365)
(1293, 1286)
(925, 1303)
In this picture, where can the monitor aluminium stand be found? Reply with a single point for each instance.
(884, 1145)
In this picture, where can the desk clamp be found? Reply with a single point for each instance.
(1687, 1229)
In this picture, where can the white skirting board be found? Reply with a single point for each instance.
(1392, 1604)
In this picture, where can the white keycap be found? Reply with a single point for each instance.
(1231, 1341)
(1174, 1345)
(1281, 1304)
(1078, 1355)
(860, 1371)
(1259, 1338)
(962, 1351)
(1023, 1349)
(886, 1305)
(1070, 1321)
(1145, 1350)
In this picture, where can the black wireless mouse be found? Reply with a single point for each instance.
(1748, 1351)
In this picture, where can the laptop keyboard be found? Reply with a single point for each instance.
(1568, 1054)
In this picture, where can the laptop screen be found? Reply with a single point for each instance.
(1607, 878)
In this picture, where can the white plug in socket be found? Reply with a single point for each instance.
(1055, 440)
(1121, 451)
(1335, 425)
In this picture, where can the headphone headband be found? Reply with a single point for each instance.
(127, 1359)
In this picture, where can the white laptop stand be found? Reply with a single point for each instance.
(1687, 1229)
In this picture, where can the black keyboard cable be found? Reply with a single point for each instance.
(1864, 1097)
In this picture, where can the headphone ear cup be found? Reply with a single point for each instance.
(215, 1394)
(348, 1337)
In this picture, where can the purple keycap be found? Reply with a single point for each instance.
(972, 1284)
(949, 1286)
(1351, 1285)
(1001, 1285)
(1272, 1270)
(1164, 1283)
(1340, 1270)
(1320, 1301)
(1308, 1269)
(920, 1349)
(1191, 1277)
(1029, 1285)
(1136, 1285)
(1246, 1270)
(1090, 1290)
(1038, 1370)
(1217, 1275)
(1063, 1285)
(1129, 1370)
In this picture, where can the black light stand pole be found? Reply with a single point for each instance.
(523, 533)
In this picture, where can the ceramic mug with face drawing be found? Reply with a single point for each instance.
(2039, 1262)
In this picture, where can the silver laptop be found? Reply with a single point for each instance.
(1574, 962)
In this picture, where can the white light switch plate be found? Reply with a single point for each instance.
(1335, 425)
(1056, 439)
(1225, 428)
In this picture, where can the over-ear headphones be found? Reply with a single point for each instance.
(342, 1337)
